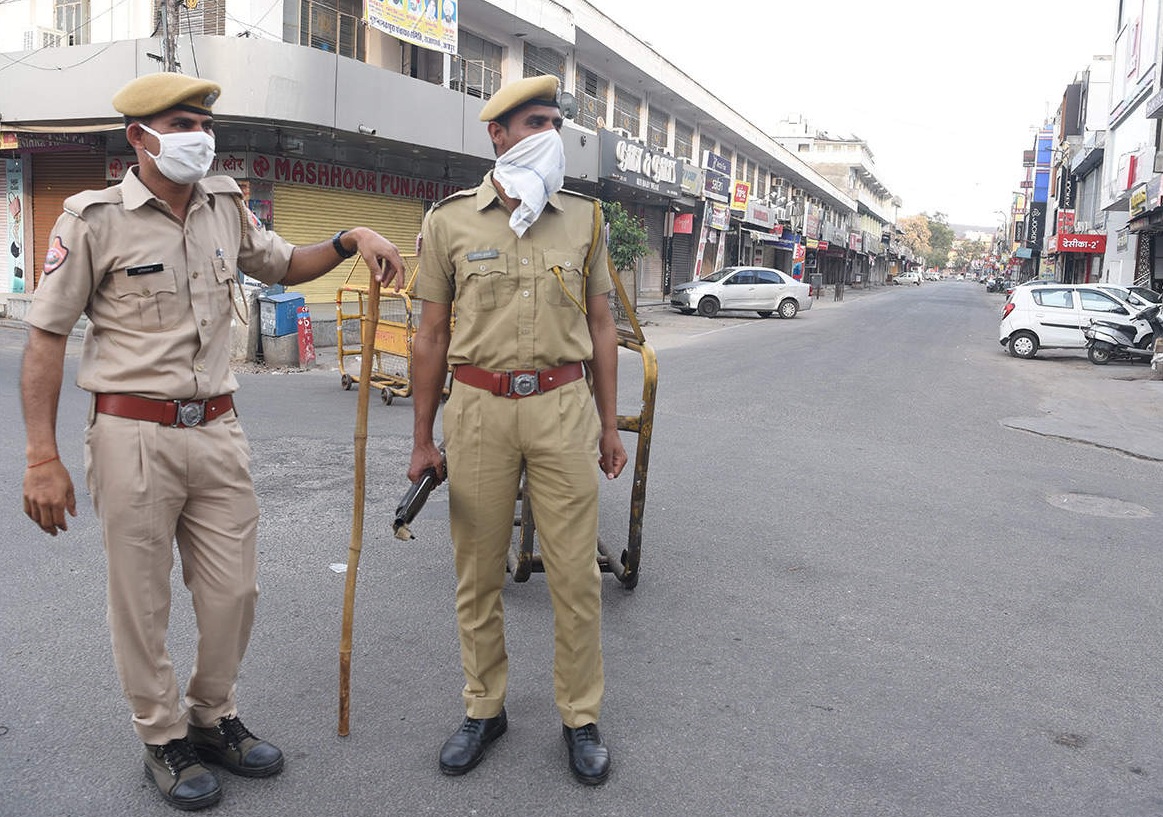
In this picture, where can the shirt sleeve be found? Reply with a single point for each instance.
(262, 253)
(436, 279)
(599, 282)
(68, 279)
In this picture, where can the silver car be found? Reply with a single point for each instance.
(755, 289)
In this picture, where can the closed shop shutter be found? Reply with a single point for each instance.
(682, 259)
(55, 177)
(650, 284)
(306, 215)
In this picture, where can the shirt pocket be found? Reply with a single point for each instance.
(148, 302)
(566, 277)
(487, 283)
(226, 287)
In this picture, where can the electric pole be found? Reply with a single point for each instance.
(169, 10)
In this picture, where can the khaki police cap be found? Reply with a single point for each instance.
(159, 92)
(539, 90)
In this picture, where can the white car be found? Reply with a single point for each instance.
(1052, 316)
(908, 278)
(755, 289)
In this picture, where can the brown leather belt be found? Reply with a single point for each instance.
(519, 383)
(175, 413)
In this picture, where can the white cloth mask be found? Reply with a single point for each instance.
(183, 157)
(532, 171)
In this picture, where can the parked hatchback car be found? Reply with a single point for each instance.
(756, 289)
(908, 278)
(1052, 316)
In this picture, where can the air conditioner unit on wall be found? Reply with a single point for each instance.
(38, 38)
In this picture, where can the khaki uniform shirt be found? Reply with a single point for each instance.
(158, 293)
(512, 311)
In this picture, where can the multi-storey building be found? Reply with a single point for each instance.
(847, 162)
(330, 117)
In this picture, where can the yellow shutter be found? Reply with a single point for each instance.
(307, 215)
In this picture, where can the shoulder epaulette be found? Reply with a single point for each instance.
(76, 204)
(221, 184)
(575, 194)
(460, 194)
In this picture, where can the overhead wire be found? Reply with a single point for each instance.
(33, 53)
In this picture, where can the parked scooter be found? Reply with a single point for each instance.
(1107, 340)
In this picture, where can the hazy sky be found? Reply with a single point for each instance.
(947, 94)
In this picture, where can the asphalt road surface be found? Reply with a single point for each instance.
(887, 570)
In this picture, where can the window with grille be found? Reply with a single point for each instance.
(72, 17)
(207, 17)
(591, 92)
(657, 125)
(684, 139)
(479, 74)
(332, 25)
(627, 109)
(539, 61)
(761, 184)
(744, 174)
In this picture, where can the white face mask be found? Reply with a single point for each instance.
(532, 170)
(184, 157)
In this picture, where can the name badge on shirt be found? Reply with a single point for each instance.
(145, 269)
(483, 255)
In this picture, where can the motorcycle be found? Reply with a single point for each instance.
(1108, 340)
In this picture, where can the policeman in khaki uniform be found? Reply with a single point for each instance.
(152, 262)
(518, 257)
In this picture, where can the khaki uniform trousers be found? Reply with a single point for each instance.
(151, 484)
(487, 439)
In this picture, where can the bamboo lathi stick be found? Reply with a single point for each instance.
(371, 320)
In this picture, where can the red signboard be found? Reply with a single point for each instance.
(1084, 243)
(684, 224)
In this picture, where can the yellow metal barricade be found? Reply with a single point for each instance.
(523, 556)
(391, 370)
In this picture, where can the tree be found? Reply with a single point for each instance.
(941, 240)
(626, 243)
(917, 234)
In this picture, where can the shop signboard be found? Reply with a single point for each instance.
(691, 181)
(855, 242)
(1036, 225)
(1065, 221)
(715, 162)
(1092, 244)
(235, 164)
(427, 23)
(633, 164)
(340, 177)
(759, 214)
(812, 223)
(49, 142)
(684, 224)
(717, 186)
(1138, 201)
(13, 277)
(720, 216)
(740, 192)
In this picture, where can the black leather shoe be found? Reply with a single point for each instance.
(230, 745)
(180, 777)
(465, 749)
(589, 759)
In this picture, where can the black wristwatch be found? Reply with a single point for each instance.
(338, 245)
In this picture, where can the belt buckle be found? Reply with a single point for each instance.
(524, 384)
(189, 414)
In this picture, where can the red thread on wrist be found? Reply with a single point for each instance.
(53, 458)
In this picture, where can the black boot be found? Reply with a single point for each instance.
(589, 759)
(465, 749)
(231, 745)
(180, 777)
